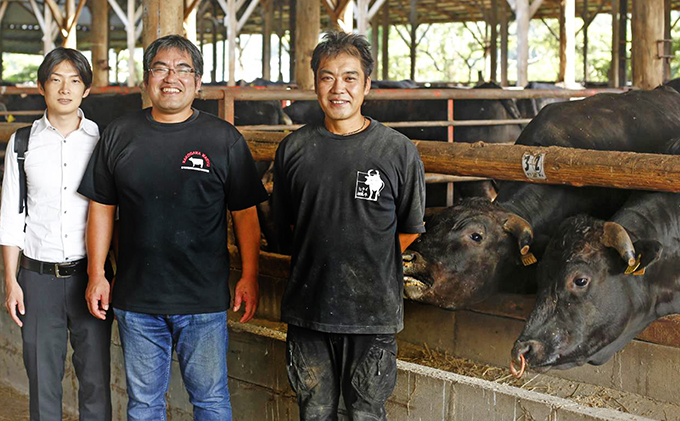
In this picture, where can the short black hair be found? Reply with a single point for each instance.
(173, 42)
(335, 43)
(59, 54)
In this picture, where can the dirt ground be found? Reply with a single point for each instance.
(14, 406)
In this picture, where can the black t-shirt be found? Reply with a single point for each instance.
(173, 184)
(347, 198)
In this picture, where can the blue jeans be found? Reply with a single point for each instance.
(201, 344)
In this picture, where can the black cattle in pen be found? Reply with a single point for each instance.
(475, 249)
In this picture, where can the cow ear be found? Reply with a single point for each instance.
(649, 252)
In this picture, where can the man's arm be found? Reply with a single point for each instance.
(406, 239)
(99, 232)
(247, 230)
(14, 298)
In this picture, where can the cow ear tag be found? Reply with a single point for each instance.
(529, 259)
(632, 269)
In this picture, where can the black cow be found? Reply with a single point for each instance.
(602, 283)
(470, 249)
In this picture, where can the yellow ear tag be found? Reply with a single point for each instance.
(528, 259)
(639, 272)
(10, 118)
(633, 268)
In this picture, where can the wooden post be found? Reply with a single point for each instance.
(362, 17)
(623, 42)
(493, 51)
(504, 43)
(667, 36)
(522, 15)
(648, 16)
(616, 46)
(267, 25)
(563, 43)
(99, 40)
(131, 42)
(569, 43)
(280, 33)
(48, 41)
(307, 34)
(231, 34)
(385, 41)
(70, 36)
(189, 24)
(292, 25)
(375, 46)
(213, 71)
(586, 23)
(413, 21)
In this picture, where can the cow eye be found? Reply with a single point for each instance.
(581, 282)
(476, 237)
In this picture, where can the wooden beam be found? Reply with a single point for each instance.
(623, 44)
(232, 32)
(504, 43)
(267, 26)
(647, 38)
(74, 20)
(3, 9)
(667, 40)
(99, 10)
(189, 9)
(493, 48)
(616, 45)
(308, 22)
(413, 22)
(385, 41)
(56, 13)
(246, 14)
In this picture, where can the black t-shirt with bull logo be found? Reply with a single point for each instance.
(173, 184)
(347, 197)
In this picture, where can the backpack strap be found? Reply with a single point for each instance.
(20, 146)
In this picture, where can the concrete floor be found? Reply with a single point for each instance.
(14, 406)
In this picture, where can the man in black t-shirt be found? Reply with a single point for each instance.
(173, 172)
(352, 190)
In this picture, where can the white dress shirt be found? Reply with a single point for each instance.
(57, 213)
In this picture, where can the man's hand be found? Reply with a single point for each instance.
(97, 296)
(247, 290)
(14, 300)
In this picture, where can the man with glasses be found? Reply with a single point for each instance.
(173, 171)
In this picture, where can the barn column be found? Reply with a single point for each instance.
(623, 42)
(616, 47)
(385, 41)
(667, 40)
(308, 18)
(292, 25)
(131, 43)
(504, 43)
(586, 23)
(493, 51)
(524, 10)
(3, 9)
(100, 42)
(647, 37)
(69, 27)
(413, 21)
(362, 17)
(48, 39)
(375, 46)
(567, 73)
(267, 25)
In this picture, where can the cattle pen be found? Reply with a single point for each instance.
(484, 333)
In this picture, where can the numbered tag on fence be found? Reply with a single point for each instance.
(534, 166)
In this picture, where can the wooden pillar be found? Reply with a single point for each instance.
(616, 46)
(504, 43)
(70, 38)
(280, 33)
(385, 41)
(362, 17)
(267, 25)
(667, 36)
(160, 19)
(375, 46)
(131, 43)
(648, 29)
(213, 71)
(623, 42)
(100, 42)
(189, 23)
(231, 34)
(413, 21)
(292, 25)
(306, 37)
(586, 23)
(568, 61)
(48, 41)
(522, 15)
(493, 50)
(3, 9)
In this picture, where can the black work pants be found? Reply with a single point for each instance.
(56, 307)
(322, 366)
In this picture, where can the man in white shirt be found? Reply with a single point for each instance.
(47, 298)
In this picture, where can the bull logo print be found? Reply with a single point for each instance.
(369, 185)
(196, 161)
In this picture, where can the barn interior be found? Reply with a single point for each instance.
(453, 364)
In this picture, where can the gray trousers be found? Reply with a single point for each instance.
(56, 307)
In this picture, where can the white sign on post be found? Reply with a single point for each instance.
(534, 166)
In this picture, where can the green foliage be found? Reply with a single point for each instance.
(20, 68)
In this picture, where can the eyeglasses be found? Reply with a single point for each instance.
(164, 71)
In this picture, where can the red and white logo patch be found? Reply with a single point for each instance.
(196, 161)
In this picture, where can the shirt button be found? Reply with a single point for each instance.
(64, 188)
(64, 163)
(64, 140)
(65, 235)
(64, 211)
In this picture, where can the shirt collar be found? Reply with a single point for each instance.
(88, 126)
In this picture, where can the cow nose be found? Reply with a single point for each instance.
(532, 350)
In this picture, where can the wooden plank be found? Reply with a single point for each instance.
(100, 42)
(647, 27)
(306, 37)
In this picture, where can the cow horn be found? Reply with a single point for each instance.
(617, 237)
(521, 229)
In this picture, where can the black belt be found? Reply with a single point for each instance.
(60, 270)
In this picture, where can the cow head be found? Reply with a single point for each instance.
(462, 257)
(592, 296)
